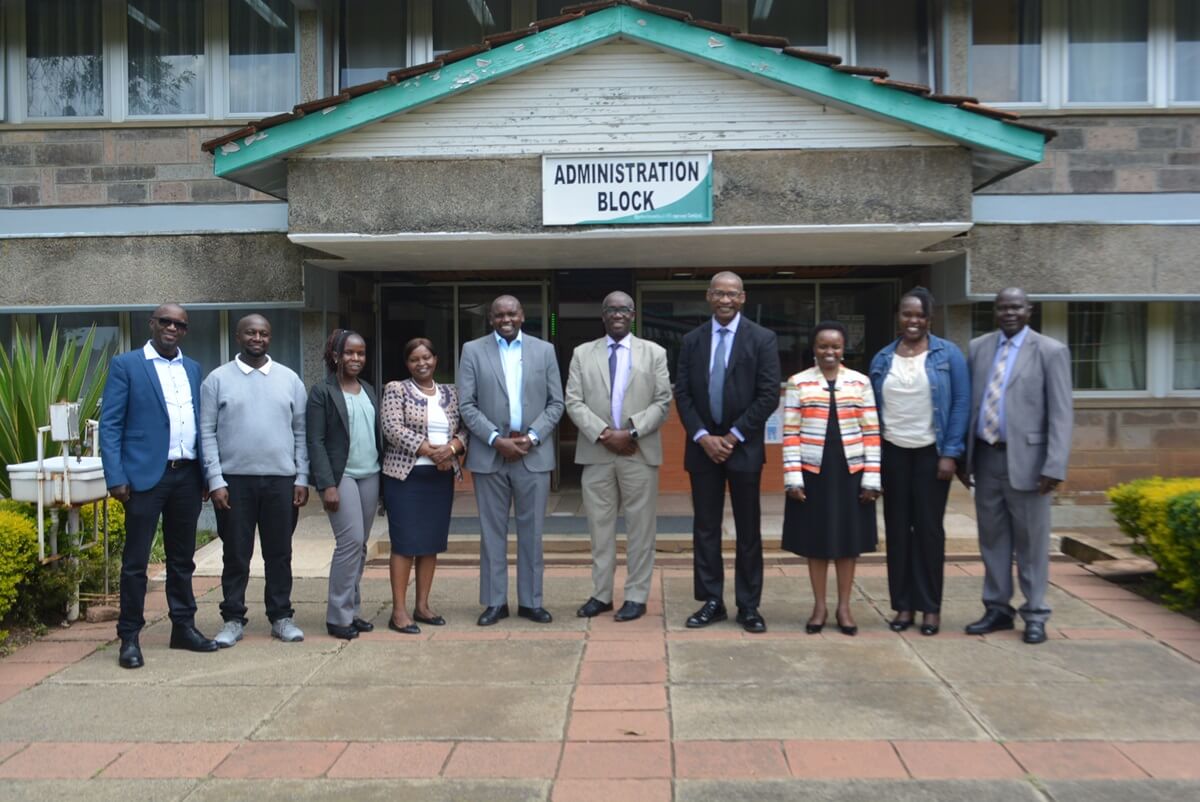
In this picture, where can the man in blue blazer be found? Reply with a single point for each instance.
(149, 418)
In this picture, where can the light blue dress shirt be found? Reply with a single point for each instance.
(1016, 341)
(512, 362)
(732, 328)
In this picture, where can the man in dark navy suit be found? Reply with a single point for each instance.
(148, 423)
(726, 386)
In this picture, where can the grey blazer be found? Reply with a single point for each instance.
(483, 400)
(1038, 409)
(647, 399)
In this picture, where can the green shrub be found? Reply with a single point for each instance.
(1163, 518)
(18, 557)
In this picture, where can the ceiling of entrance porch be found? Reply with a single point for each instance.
(650, 247)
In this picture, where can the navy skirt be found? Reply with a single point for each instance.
(418, 511)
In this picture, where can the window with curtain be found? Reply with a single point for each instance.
(1187, 51)
(1107, 51)
(1006, 51)
(894, 35)
(1108, 345)
(64, 58)
(805, 23)
(1187, 346)
(262, 56)
(458, 23)
(373, 40)
(165, 56)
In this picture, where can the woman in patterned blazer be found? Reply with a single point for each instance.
(424, 441)
(830, 470)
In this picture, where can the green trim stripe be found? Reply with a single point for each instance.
(971, 129)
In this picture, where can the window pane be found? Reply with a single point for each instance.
(74, 327)
(262, 56)
(1187, 50)
(64, 59)
(1108, 345)
(374, 39)
(893, 35)
(1187, 346)
(166, 57)
(867, 312)
(458, 23)
(1107, 51)
(1006, 50)
(805, 23)
(285, 335)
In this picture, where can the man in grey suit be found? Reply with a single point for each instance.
(619, 394)
(1018, 445)
(510, 396)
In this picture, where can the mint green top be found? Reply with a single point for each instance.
(363, 460)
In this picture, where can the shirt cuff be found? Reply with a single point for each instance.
(537, 441)
(734, 431)
(301, 480)
(492, 439)
(702, 433)
(216, 483)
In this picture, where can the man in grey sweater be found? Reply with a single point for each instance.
(256, 466)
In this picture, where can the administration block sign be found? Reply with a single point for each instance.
(647, 188)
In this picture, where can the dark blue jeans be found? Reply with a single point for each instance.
(176, 499)
(263, 503)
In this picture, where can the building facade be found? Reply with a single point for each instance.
(368, 163)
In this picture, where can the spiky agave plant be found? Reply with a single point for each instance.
(37, 375)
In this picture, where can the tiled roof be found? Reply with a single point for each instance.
(878, 75)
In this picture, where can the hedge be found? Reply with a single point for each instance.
(1163, 518)
(18, 557)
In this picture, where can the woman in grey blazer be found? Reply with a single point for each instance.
(344, 449)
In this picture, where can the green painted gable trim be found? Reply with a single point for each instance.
(971, 129)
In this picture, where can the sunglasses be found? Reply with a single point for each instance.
(168, 322)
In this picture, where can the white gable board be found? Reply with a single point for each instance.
(617, 97)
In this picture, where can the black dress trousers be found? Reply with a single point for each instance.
(708, 502)
(914, 505)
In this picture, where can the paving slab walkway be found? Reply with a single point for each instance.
(1107, 709)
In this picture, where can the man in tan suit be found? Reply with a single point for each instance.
(619, 394)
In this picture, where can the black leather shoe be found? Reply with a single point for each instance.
(491, 615)
(131, 654)
(899, 624)
(433, 621)
(630, 611)
(362, 625)
(712, 612)
(407, 629)
(992, 621)
(186, 636)
(538, 615)
(593, 607)
(751, 621)
(339, 631)
(1035, 632)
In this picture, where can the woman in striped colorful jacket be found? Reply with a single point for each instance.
(831, 471)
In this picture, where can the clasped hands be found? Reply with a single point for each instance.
(442, 456)
(513, 448)
(618, 441)
(718, 448)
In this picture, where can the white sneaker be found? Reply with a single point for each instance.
(286, 630)
(230, 634)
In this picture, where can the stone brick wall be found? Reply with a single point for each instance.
(1093, 154)
(95, 166)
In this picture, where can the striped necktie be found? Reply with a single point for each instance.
(991, 400)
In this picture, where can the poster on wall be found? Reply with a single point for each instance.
(773, 429)
(623, 189)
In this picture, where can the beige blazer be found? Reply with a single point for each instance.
(647, 399)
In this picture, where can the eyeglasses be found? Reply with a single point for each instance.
(724, 295)
(168, 322)
(618, 310)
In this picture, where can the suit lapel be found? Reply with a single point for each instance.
(600, 360)
(1024, 356)
(983, 371)
(637, 357)
(152, 375)
(339, 401)
(492, 354)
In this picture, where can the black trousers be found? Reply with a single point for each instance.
(708, 504)
(265, 503)
(175, 499)
(914, 504)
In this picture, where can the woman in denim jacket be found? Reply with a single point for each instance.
(923, 393)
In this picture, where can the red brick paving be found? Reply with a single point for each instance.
(1165, 761)
(72, 761)
(44, 651)
(10, 748)
(9, 691)
(958, 760)
(1074, 760)
(609, 650)
(166, 761)
(875, 760)
(504, 760)
(391, 760)
(15, 673)
(280, 759)
(626, 672)
(608, 790)
(619, 725)
(604, 761)
(719, 760)
(620, 697)
(82, 630)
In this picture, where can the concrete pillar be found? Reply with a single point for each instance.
(310, 44)
(956, 45)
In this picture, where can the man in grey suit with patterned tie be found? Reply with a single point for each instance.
(510, 396)
(1018, 448)
(618, 395)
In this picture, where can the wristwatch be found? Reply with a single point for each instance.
(633, 433)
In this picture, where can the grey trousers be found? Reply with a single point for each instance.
(351, 528)
(513, 484)
(632, 485)
(1012, 524)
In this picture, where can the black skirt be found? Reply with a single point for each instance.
(418, 510)
(831, 523)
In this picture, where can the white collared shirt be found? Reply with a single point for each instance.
(264, 369)
(177, 392)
